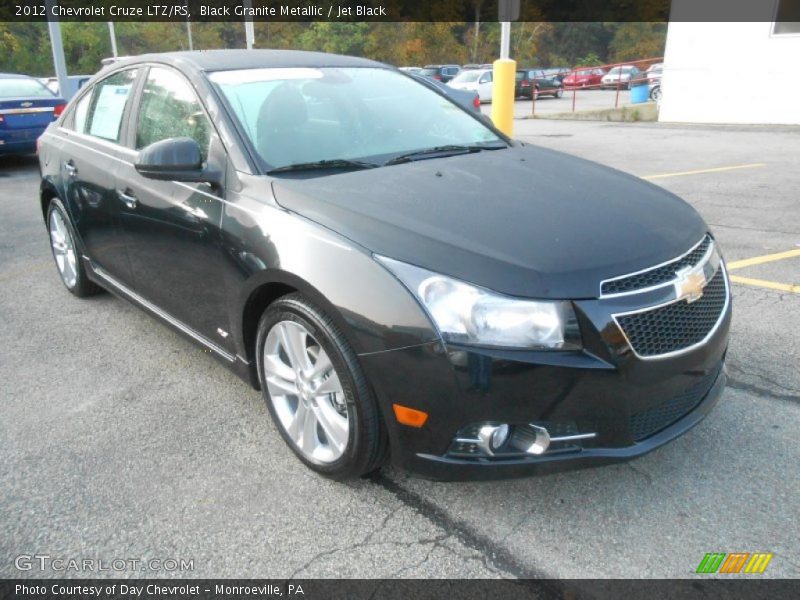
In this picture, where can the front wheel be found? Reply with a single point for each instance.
(315, 390)
(655, 94)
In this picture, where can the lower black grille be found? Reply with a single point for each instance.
(653, 420)
(678, 325)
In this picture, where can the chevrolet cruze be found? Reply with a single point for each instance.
(401, 280)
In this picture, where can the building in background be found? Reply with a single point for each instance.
(734, 72)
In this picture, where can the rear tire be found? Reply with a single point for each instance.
(66, 253)
(316, 391)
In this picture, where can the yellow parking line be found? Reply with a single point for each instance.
(701, 171)
(781, 287)
(760, 260)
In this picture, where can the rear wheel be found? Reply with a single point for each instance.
(65, 252)
(559, 93)
(316, 392)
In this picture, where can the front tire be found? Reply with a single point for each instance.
(316, 392)
(66, 253)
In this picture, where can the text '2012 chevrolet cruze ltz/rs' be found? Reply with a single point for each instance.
(400, 279)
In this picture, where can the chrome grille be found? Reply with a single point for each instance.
(676, 326)
(653, 420)
(657, 275)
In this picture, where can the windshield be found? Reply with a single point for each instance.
(23, 88)
(467, 76)
(303, 115)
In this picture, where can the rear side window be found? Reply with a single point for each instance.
(169, 109)
(100, 112)
(81, 112)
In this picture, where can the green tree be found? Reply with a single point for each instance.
(633, 41)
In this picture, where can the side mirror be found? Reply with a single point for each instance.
(173, 159)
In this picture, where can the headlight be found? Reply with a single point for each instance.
(467, 314)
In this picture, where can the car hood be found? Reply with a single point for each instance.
(524, 221)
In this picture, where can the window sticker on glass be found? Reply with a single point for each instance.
(108, 111)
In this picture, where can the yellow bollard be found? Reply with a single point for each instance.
(503, 79)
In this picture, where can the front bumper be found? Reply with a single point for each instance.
(604, 389)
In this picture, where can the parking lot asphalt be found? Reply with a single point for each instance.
(122, 440)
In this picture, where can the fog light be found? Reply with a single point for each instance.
(493, 437)
(531, 439)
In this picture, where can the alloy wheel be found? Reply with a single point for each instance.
(306, 392)
(63, 249)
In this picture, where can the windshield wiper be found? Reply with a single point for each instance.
(338, 163)
(439, 151)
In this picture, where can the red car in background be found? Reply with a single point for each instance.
(584, 78)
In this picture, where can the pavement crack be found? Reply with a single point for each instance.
(791, 395)
(496, 556)
(641, 472)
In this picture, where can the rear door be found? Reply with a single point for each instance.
(173, 228)
(91, 152)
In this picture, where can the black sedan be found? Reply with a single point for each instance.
(536, 82)
(400, 279)
(27, 107)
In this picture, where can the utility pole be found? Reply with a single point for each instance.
(59, 64)
(189, 33)
(504, 70)
(249, 31)
(113, 35)
(189, 29)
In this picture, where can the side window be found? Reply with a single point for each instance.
(102, 117)
(81, 112)
(169, 108)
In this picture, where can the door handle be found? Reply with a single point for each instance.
(129, 199)
(70, 168)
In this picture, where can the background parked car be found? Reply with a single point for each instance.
(475, 80)
(476, 66)
(469, 99)
(557, 73)
(530, 80)
(412, 70)
(443, 73)
(621, 76)
(654, 72)
(27, 107)
(653, 75)
(584, 78)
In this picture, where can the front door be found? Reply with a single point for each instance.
(173, 228)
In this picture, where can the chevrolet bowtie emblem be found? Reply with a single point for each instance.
(690, 283)
(26, 104)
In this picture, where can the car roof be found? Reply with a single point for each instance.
(219, 60)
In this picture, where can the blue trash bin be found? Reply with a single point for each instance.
(639, 93)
